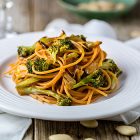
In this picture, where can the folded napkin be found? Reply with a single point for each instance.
(95, 28)
(14, 127)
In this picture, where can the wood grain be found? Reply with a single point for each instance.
(30, 133)
(137, 125)
(34, 15)
(20, 14)
(47, 10)
(105, 130)
(40, 7)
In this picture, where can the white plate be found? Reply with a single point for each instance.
(126, 98)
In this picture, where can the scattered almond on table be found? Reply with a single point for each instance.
(123, 130)
(89, 124)
(126, 130)
(60, 137)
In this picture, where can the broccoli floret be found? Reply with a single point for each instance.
(45, 41)
(64, 101)
(29, 65)
(65, 44)
(77, 38)
(27, 82)
(53, 50)
(40, 64)
(96, 79)
(82, 37)
(25, 51)
(72, 55)
(59, 46)
(61, 101)
(110, 65)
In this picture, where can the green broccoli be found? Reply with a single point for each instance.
(61, 101)
(25, 51)
(29, 65)
(39, 64)
(59, 46)
(82, 37)
(45, 41)
(96, 79)
(65, 44)
(72, 55)
(77, 38)
(53, 50)
(27, 82)
(109, 64)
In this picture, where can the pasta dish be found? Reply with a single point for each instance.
(64, 70)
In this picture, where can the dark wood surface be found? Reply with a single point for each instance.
(34, 15)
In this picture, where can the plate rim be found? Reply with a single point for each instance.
(14, 112)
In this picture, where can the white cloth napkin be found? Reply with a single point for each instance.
(14, 127)
(95, 28)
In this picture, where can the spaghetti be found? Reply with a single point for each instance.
(64, 70)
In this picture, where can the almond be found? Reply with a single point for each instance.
(126, 130)
(89, 124)
(60, 137)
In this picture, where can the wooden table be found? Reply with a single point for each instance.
(33, 15)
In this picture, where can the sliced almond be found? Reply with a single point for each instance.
(89, 139)
(126, 130)
(89, 124)
(60, 137)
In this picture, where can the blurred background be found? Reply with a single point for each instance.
(33, 15)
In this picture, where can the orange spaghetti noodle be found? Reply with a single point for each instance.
(64, 70)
